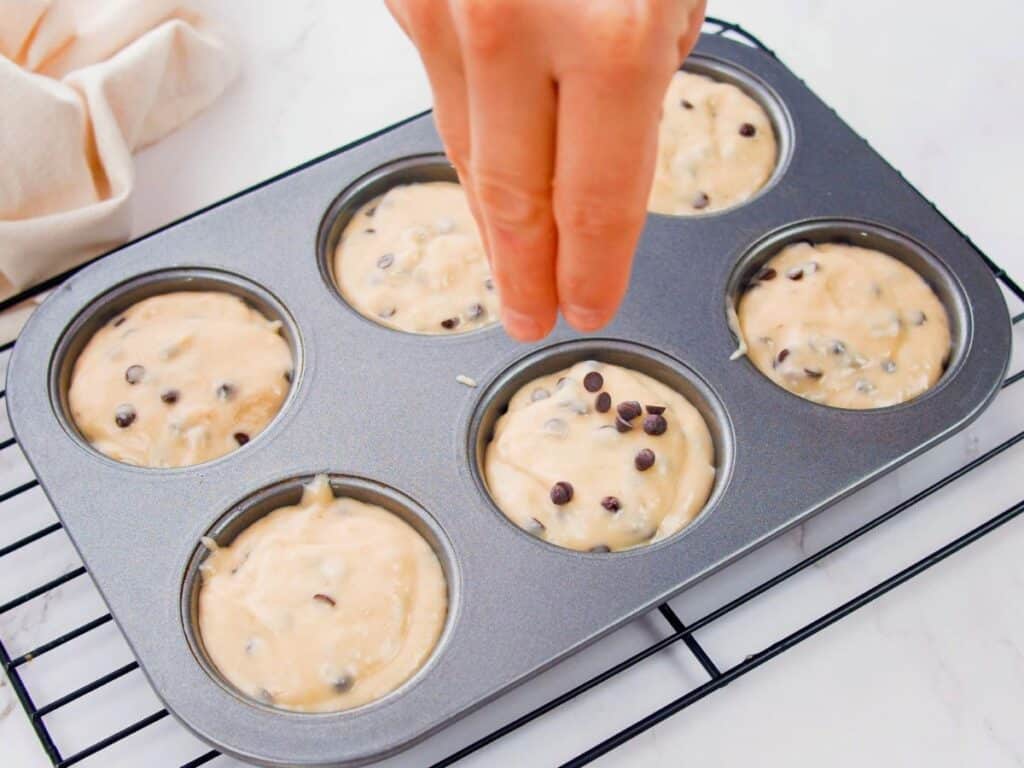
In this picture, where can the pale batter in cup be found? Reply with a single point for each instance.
(600, 458)
(322, 606)
(180, 378)
(844, 326)
(412, 259)
(716, 147)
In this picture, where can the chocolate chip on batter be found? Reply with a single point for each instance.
(343, 683)
(622, 425)
(701, 201)
(385, 260)
(781, 357)
(796, 273)
(889, 366)
(241, 438)
(644, 459)
(593, 382)
(321, 597)
(747, 130)
(603, 402)
(655, 424)
(539, 394)
(134, 374)
(170, 396)
(628, 410)
(611, 503)
(686, 104)
(124, 416)
(386, 312)
(489, 284)
(226, 391)
(119, 321)
(475, 311)
(561, 493)
(765, 273)
(600, 549)
(370, 231)
(813, 373)
(556, 427)
(918, 317)
(449, 323)
(655, 410)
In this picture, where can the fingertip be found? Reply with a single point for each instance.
(525, 327)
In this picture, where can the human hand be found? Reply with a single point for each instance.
(549, 112)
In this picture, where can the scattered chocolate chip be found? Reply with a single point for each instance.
(241, 438)
(226, 391)
(119, 321)
(629, 409)
(655, 424)
(489, 284)
(644, 459)
(556, 427)
(386, 312)
(449, 323)
(539, 394)
(600, 549)
(134, 374)
(622, 425)
(561, 493)
(385, 261)
(370, 231)
(701, 201)
(593, 382)
(796, 273)
(655, 410)
(475, 311)
(325, 599)
(765, 273)
(837, 347)
(603, 402)
(813, 373)
(918, 317)
(288, 376)
(124, 416)
(781, 357)
(611, 503)
(170, 396)
(889, 366)
(747, 130)
(343, 683)
(686, 104)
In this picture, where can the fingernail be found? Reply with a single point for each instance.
(521, 326)
(585, 318)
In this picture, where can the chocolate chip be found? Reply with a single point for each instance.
(629, 409)
(611, 503)
(386, 312)
(561, 493)
(539, 394)
(226, 391)
(170, 396)
(385, 260)
(644, 459)
(134, 374)
(370, 230)
(124, 416)
(812, 373)
(686, 104)
(889, 366)
(654, 410)
(449, 323)
(701, 201)
(655, 424)
(288, 376)
(241, 438)
(593, 382)
(475, 311)
(918, 317)
(622, 425)
(343, 683)
(603, 402)
(489, 284)
(119, 321)
(781, 357)
(765, 273)
(600, 549)
(796, 273)
(747, 130)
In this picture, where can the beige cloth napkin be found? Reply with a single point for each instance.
(83, 84)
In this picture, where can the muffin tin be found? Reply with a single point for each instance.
(382, 412)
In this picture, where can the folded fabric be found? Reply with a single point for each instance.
(83, 84)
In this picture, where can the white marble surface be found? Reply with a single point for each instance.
(933, 673)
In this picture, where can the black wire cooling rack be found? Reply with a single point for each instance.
(677, 631)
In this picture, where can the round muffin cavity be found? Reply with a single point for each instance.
(180, 378)
(600, 458)
(844, 326)
(412, 259)
(716, 147)
(322, 606)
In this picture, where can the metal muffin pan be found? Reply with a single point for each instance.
(382, 412)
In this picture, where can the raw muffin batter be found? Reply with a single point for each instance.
(600, 458)
(322, 606)
(179, 379)
(844, 326)
(716, 147)
(412, 260)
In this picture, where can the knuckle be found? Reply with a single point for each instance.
(508, 202)
(484, 24)
(620, 33)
